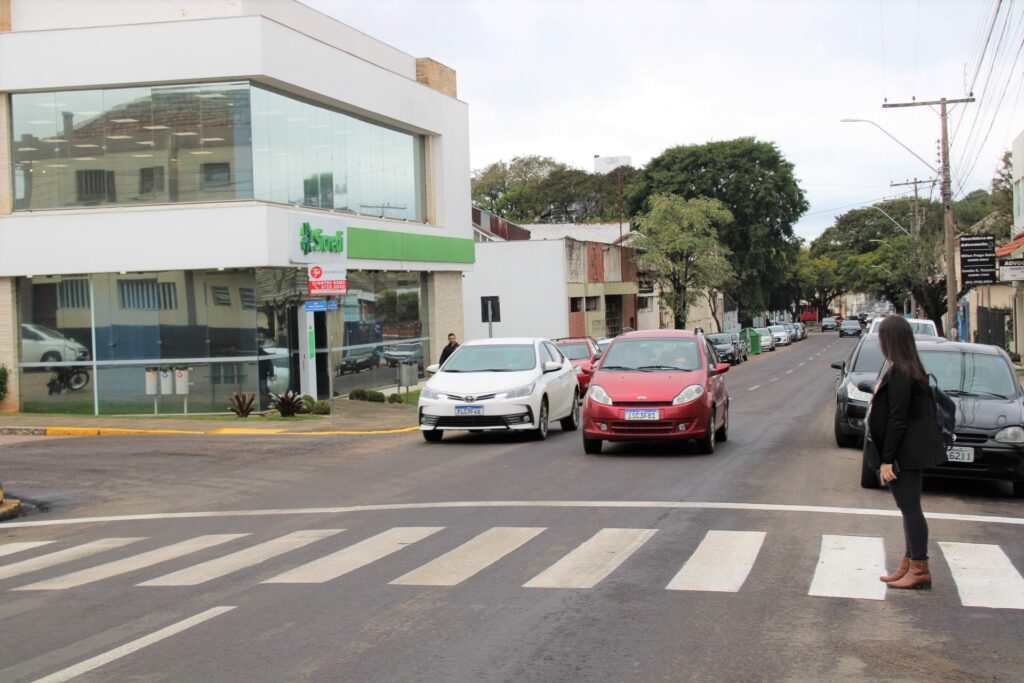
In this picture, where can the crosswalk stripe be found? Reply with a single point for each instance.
(11, 548)
(984, 575)
(471, 557)
(222, 566)
(62, 556)
(849, 567)
(722, 562)
(591, 562)
(355, 556)
(130, 564)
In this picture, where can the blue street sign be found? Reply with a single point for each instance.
(332, 305)
(317, 305)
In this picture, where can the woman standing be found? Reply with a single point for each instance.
(905, 434)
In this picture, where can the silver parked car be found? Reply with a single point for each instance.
(767, 338)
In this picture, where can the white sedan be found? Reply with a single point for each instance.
(512, 384)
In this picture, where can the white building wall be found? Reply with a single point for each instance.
(1017, 176)
(530, 279)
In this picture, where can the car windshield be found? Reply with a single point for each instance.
(851, 323)
(492, 358)
(869, 357)
(763, 331)
(46, 331)
(720, 339)
(967, 374)
(777, 328)
(652, 354)
(828, 320)
(789, 326)
(575, 350)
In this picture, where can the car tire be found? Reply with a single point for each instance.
(591, 446)
(571, 422)
(434, 435)
(723, 431)
(707, 443)
(541, 432)
(842, 440)
(868, 477)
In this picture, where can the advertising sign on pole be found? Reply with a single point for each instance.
(1011, 269)
(977, 260)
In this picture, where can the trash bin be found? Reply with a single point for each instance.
(753, 338)
(408, 374)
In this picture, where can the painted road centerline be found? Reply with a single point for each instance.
(355, 556)
(595, 559)
(756, 386)
(774, 379)
(134, 646)
(11, 548)
(470, 558)
(984, 575)
(721, 563)
(222, 566)
(849, 567)
(130, 564)
(62, 556)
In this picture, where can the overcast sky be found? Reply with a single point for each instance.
(573, 78)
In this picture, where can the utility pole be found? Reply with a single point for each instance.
(915, 226)
(947, 205)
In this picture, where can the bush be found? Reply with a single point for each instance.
(375, 397)
(308, 401)
(321, 408)
(395, 398)
(3, 381)
(358, 394)
(289, 404)
(241, 404)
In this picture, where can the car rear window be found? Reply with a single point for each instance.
(869, 357)
(575, 350)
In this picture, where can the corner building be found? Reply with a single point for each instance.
(171, 173)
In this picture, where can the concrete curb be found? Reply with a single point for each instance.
(9, 508)
(224, 431)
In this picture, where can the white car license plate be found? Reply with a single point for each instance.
(960, 454)
(469, 410)
(642, 415)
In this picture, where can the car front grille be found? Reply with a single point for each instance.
(976, 439)
(641, 427)
(470, 398)
(643, 404)
(475, 421)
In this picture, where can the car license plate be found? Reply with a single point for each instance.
(469, 410)
(960, 454)
(641, 414)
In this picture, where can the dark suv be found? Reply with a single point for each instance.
(852, 403)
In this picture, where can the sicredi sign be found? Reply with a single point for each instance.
(318, 239)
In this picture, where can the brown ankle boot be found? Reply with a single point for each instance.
(918, 576)
(899, 573)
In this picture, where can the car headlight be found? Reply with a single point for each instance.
(578, 369)
(599, 395)
(427, 392)
(688, 395)
(1010, 435)
(516, 393)
(856, 394)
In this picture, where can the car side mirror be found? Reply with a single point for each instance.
(551, 366)
(587, 368)
(839, 365)
(432, 369)
(722, 367)
(867, 386)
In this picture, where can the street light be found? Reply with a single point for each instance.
(893, 137)
(894, 222)
(875, 265)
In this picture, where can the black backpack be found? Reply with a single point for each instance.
(945, 412)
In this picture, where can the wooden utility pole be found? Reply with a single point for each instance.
(915, 226)
(947, 206)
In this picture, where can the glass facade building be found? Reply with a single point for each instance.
(206, 143)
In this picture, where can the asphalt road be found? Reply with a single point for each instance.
(492, 558)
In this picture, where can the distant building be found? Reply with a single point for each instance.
(488, 227)
(604, 165)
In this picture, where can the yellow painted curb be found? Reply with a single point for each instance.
(225, 431)
(403, 430)
(71, 431)
(118, 431)
(242, 430)
(10, 508)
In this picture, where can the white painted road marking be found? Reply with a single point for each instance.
(984, 575)
(801, 365)
(774, 379)
(849, 567)
(756, 386)
(721, 563)
(11, 548)
(789, 372)
(62, 556)
(596, 558)
(130, 564)
(470, 558)
(133, 646)
(355, 556)
(222, 566)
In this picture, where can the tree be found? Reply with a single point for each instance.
(510, 189)
(678, 246)
(756, 184)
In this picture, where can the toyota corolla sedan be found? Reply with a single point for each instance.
(512, 384)
(657, 385)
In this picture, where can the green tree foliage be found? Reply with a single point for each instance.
(509, 189)
(756, 184)
(679, 247)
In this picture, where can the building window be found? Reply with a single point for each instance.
(151, 180)
(593, 303)
(247, 296)
(227, 373)
(94, 186)
(216, 175)
(73, 293)
(147, 295)
(221, 296)
(575, 304)
(643, 303)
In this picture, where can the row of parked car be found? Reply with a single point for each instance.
(981, 380)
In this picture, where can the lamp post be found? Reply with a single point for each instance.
(894, 139)
(880, 267)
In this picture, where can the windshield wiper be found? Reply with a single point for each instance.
(660, 367)
(964, 392)
(616, 367)
(959, 392)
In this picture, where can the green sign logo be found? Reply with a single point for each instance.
(314, 239)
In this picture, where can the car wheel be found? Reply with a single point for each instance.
(868, 477)
(50, 357)
(591, 446)
(723, 431)
(571, 422)
(434, 435)
(541, 432)
(842, 440)
(78, 380)
(707, 444)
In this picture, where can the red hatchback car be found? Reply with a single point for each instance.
(657, 385)
(583, 352)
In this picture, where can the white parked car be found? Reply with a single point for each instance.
(41, 344)
(511, 384)
(918, 325)
(780, 334)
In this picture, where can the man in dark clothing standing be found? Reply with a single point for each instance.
(448, 350)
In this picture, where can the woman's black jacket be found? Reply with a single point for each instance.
(902, 423)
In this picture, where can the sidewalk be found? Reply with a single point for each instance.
(350, 417)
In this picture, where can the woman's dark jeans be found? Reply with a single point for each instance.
(906, 489)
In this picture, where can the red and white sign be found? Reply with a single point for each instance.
(327, 279)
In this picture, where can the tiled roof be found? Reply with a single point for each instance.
(1013, 245)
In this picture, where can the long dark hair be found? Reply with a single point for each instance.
(896, 339)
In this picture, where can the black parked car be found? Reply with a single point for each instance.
(989, 414)
(728, 347)
(829, 324)
(852, 403)
(850, 328)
